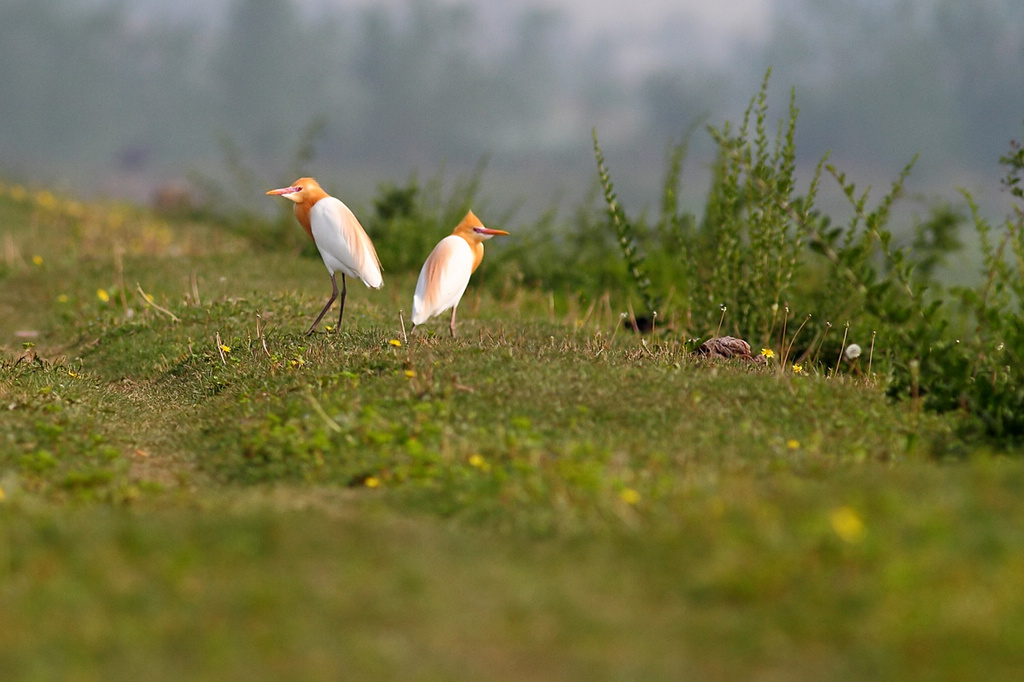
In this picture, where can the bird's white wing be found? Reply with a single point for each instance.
(443, 279)
(342, 242)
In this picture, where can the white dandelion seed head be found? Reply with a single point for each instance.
(852, 352)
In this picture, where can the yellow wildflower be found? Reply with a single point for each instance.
(103, 295)
(768, 353)
(409, 374)
(372, 482)
(798, 368)
(395, 342)
(45, 200)
(63, 298)
(476, 460)
(37, 260)
(225, 348)
(847, 524)
(792, 444)
(629, 496)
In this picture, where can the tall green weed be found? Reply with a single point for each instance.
(763, 258)
(981, 371)
(743, 257)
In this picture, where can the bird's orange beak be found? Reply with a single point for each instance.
(487, 230)
(283, 191)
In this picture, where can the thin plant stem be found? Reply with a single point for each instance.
(148, 300)
(871, 352)
(797, 333)
(782, 339)
(220, 349)
(842, 347)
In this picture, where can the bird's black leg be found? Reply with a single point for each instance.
(344, 290)
(334, 295)
(451, 326)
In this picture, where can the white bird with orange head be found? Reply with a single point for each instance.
(340, 239)
(446, 273)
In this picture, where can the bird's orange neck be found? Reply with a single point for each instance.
(465, 230)
(302, 208)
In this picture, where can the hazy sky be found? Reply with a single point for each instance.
(716, 23)
(874, 87)
(636, 24)
(639, 29)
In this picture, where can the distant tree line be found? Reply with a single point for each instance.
(84, 84)
(415, 83)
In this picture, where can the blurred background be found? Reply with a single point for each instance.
(117, 98)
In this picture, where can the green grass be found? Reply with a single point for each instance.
(546, 497)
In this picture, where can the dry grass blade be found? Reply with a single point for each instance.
(148, 300)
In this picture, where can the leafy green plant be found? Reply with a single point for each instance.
(744, 255)
(868, 281)
(761, 252)
(980, 372)
(567, 256)
(1013, 162)
(937, 358)
(627, 236)
(754, 221)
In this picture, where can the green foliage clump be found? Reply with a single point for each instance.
(574, 255)
(755, 226)
(1013, 162)
(979, 370)
(956, 349)
(743, 256)
(762, 253)
(626, 235)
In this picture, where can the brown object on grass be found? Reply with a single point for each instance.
(727, 348)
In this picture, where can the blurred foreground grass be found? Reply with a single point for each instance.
(194, 490)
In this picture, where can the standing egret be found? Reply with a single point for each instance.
(340, 239)
(446, 273)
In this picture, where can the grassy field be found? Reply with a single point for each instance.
(191, 489)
